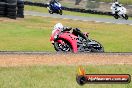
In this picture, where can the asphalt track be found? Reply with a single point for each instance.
(104, 20)
(14, 58)
(54, 53)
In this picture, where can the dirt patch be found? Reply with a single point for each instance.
(4, 19)
(63, 59)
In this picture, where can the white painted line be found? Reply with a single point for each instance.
(108, 22)
(76, 19)
(85, 20)
(119, 23)
(98, 21)
(65, 18)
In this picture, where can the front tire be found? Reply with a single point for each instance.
(96, 47)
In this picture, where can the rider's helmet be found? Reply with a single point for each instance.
(58, 26)
(116, 3)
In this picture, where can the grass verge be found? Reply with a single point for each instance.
(57, 76)
(33, 33)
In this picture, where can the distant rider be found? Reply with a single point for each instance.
(52, 2)
(114, 7)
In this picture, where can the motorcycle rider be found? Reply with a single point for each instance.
(76, 31)
(52, 2)
(114, 7)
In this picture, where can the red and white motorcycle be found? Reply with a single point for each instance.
(66, 41)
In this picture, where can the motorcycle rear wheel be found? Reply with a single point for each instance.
(60, 12)
(116, 16)
(51, 12)
(62, 48)
(126, 17)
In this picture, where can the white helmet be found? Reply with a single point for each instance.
(116, 2)
(58, 26)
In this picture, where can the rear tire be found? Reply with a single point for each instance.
(66, 47)
(116, 16)
(60, 12)
(2, 13)
(126, 17)
(2, 9)
(50, 12)
(11, 1)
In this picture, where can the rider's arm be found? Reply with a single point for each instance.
(66, 29)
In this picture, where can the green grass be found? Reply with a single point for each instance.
(57, 76)
(33, 34)
(30, 34)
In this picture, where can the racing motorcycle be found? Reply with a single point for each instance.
(120, 12)
(55, 8)
(67, 41)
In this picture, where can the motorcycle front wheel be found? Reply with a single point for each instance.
(96, 46)
(62, 47)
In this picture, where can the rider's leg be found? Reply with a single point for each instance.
(78, 32)
(113, 11)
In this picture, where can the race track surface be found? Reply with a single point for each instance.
(104, 20)
(13, 59)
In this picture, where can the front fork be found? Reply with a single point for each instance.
(48, 8)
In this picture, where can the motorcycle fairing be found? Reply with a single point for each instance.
(72, 39)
